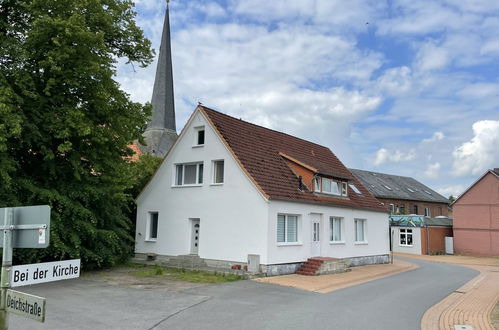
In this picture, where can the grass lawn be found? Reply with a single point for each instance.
(197, 276)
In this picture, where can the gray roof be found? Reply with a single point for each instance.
(161, 129)
(419, 221)
(397, 187)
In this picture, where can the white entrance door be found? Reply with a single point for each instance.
(315, 248)
(194, 236)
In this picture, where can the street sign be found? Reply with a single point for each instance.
(26, 305)
(30, 226)
(44, 272)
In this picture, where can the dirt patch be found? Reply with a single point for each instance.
(122, 277)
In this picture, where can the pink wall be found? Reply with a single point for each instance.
(476, 219)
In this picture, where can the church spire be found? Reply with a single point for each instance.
(161, 129)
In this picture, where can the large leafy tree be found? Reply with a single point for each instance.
(65, 124)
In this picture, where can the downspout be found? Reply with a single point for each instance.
(427, 238)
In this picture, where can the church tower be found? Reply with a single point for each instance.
(161, 129)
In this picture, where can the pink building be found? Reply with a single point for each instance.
(476, 217)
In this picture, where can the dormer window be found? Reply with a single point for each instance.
(199, 136)
(330, 186)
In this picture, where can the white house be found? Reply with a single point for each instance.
(228, 189)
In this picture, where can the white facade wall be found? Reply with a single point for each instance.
(416, 240)
(377, 233)
(233, 216)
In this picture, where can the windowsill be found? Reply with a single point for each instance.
(216, 184)
(152, 240)
(361, 243)
(406, 245)
(337, 242)
(331, 195)
(198, 145)
(187, 185)
(290, 244)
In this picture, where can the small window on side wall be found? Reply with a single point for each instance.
(218, 171)
(152, 226)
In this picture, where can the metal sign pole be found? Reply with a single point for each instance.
(6, 264)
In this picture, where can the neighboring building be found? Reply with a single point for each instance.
(161, 128)
(419, 234)
(476, 217)
(229, 189)
(404, 195)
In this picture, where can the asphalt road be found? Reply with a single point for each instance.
(396, 302)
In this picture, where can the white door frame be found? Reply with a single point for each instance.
(315, 234)
(195, 231)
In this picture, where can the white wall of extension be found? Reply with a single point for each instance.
(415, 248)
(232, 215)
(376, 232)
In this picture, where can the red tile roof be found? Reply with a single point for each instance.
(257, 150)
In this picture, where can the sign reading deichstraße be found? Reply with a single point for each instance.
(25, 304)
(44, 272)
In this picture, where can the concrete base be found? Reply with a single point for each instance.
(368, 260)
(280, 269)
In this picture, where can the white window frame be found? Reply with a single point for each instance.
(341, 221)
(406, 233)
(341, 185)
(364, 231)
(392, 208)
(150, 218)
(196, 136)
(286, 238)
(199, 175)
(214, 172)
(427, 212)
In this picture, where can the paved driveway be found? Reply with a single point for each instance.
(396, 302)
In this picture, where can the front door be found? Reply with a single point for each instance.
(315, 248)
(195, 236)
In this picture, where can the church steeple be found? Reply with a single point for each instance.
(161, 129)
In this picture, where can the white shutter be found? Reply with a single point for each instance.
(281, 223)
(292, 233)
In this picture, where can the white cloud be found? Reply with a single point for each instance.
(395, 81)
(432, 57)
(384, 155)
(454, 190)
(481, 152)
(437, 136)
(433, 170)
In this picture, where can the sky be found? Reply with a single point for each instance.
(401, 87)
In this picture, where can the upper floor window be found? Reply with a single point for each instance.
(427, 212)
(330, 186)
(218, 171)
(392, 208)
(189, 174)
(415, 209)
(199, 136)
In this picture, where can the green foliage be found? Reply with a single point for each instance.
(141, 171)
(451, 199)
(65, 124)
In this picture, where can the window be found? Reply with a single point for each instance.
(360, 230)
(415, 209)
(218, 171)
(427, 212)
(392, 208)
(405, 237)
(152, 226)
(199, 136)
(330, 186)
(189, 174)
(287, 228)
(355, 189)
(402, 209)
(336, 225)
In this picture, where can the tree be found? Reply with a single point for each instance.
(65, 124)
(451, 199)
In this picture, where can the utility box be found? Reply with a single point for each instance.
(253, 263)
(449, 245)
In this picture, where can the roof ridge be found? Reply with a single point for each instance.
(266, 128)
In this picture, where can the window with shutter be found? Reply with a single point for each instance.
(287, 228)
